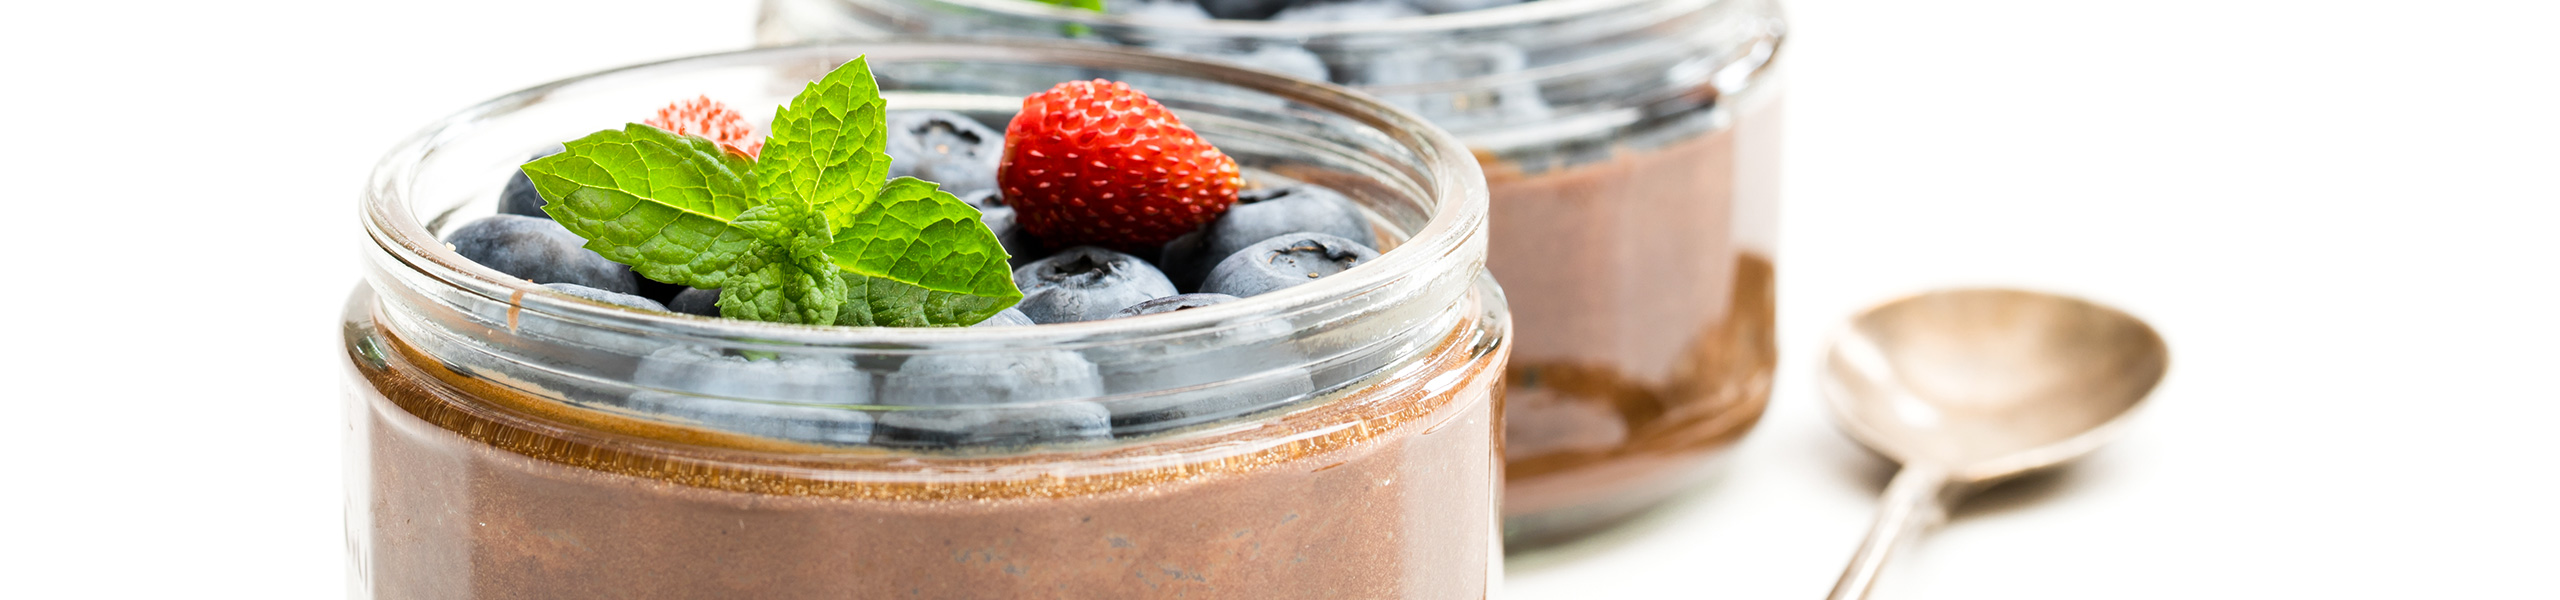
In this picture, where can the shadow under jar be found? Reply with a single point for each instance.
(1337, 439)
(1631, 147)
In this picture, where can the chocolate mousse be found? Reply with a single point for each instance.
(1643, 302)
(483, 491)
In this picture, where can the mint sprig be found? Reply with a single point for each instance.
(808, 233)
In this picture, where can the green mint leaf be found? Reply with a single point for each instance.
(827, 146)
(676, 208)
(788, 279)
(916, 256)
(654, 200)
(810, 233)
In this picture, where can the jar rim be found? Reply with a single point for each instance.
(1499, 17)
(1454, 182)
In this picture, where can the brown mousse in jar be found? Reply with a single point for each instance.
(481, 491)
(1641, 286)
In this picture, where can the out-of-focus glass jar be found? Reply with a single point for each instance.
(1631, 147)
(1336, 439)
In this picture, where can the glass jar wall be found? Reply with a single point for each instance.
(1334, 439)
(1631, 149)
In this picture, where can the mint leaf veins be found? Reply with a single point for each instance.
(811, 232)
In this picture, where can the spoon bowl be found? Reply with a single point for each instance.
(1989, 383)
(1965, 387)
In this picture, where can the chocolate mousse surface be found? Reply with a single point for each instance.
(477, 490)
(1643, 304)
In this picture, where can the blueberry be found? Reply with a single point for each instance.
(991, 378)
(943, 147)
(1011, 317)
(700, 385)
(1465, 110)
(1344, 12)
(1241, 368)
(703, 371)
(1284, 261)
(1290, 60)
(812, 424)
(606, 297)
(982, 199)
(696, 302)
(520, 198)
(992, 426)
(1172, 303)
(539, 250)
(583, 348)
(1017, 241)
(962, 400)
(1286, 59)
(1158, 10)
(1086, 283)
(1243, 9)
(660, 291)
(1258, 215)
(1184, 396)
(1449, 6)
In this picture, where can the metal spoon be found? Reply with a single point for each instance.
(1967, 387)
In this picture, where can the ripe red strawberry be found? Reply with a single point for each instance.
(709, 120)
(1097, 163)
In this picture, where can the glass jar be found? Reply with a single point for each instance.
(1335, 439)
(1631, 147)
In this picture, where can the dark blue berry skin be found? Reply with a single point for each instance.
(703, 371)
(660, 291)
(1348, 11)
(1439, 7)
(1010, 399)
(696, 302)
(1230, 398)
(1011, 317)
(704, 387)
(520, 198)
(1172, 303)
(1017, 242)
(1292, 60)
(1258, 215)
(991, 378)
(1182, 383)
(1243, 9)
(1086, 283)
(1285, 261)
(606, 297)
(992, 427)
(1178, 11)
(810, 424)
(541, 251)
(943, 147)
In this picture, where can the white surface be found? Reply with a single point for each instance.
(2345, 216)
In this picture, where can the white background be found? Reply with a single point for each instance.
(2344, 215)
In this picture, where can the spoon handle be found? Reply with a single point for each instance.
(1910, 504)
